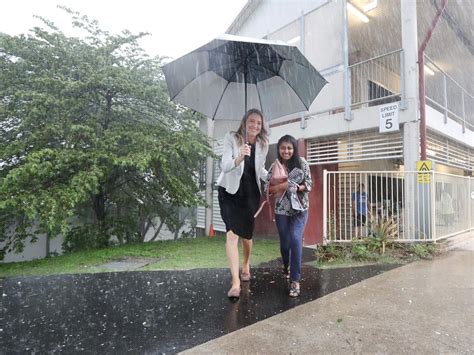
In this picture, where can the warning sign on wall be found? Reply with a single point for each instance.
(424, 168)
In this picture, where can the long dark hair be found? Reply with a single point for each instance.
(294, 161)
(240, 134)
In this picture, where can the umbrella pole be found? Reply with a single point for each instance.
(245, 100)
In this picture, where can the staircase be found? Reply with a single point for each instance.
(456, 241)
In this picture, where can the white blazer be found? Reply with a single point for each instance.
(230, 175)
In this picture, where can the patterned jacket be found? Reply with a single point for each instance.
(283, 205)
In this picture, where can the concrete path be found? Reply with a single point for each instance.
(425, 307)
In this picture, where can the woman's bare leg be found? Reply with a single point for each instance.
(247, 247)
(232, 251)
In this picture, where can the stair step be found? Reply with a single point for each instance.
(452, 242)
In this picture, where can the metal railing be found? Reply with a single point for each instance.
(374, 81)
(380, 80)
(420, 206)
(444, 94)
(377, 80)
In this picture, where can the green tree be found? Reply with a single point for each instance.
(90, 144)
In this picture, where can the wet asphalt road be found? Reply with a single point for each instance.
(148, 311)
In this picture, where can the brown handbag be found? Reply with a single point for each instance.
(279, 175)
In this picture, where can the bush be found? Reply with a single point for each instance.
(372, 249)
(423, 251)
(330, 252)
(85, 237)
(360, 251)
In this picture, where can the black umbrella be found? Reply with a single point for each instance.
(230, 74)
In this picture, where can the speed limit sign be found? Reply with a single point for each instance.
(388, 118)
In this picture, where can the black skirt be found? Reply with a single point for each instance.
(237, 211)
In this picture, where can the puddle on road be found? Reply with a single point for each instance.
(155, 311)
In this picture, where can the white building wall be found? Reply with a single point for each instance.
(323, 43)
(331, 124)
(449, 128)
(271, 15)
(322, 37)
(36, 250)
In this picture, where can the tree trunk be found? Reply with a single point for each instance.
(100, 214)
(108, 110)
(158, 231)
(48, 241)
(120, 236)
(144, 229)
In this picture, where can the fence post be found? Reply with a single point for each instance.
(403, 103)
(471, 202)
(209, 181)
(325, 206)
(347, 70)
(433, 205)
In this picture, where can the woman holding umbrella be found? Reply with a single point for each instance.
(242, 168)
(291, 210)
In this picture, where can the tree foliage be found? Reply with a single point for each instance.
(89, 139)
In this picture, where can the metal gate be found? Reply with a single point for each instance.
(421, 206)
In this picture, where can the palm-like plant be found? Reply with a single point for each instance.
(383, 230)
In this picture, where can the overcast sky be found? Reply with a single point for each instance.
(176, 26)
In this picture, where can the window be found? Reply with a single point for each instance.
(378, 95)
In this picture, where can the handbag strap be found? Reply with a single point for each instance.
(267, 201)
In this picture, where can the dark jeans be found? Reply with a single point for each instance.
(290, 229)
(360, 220)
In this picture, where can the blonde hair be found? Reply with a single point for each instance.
(240, 134)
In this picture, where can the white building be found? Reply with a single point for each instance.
(368, 52)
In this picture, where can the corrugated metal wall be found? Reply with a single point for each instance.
(354, 147)
(448, 152)
(217, 222)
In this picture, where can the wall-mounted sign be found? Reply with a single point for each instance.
(424, 168)
(389, 118)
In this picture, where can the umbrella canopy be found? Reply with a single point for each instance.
(230, 74)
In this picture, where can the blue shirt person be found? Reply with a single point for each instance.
(360, 207)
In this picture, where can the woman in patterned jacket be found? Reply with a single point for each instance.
(291, 209)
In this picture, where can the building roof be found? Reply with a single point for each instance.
(243, 15)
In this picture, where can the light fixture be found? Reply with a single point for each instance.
(355, 11)
(428, 70)
(370, 6)
(294, 40)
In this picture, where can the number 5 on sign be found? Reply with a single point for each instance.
(388, 118)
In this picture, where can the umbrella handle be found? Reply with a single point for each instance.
(246, 141)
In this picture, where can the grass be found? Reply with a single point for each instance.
(202, 252)
(205, 252)
(360, 253)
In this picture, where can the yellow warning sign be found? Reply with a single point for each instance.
(424, 168)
